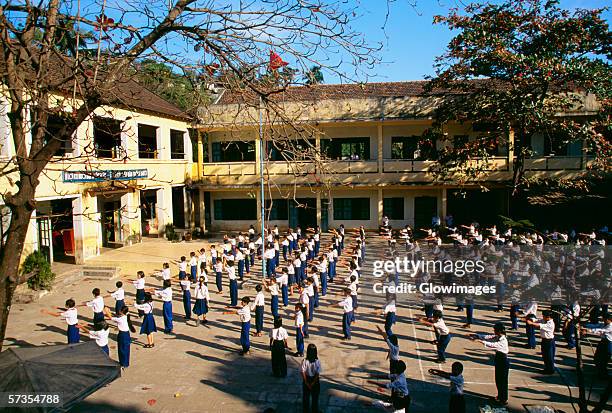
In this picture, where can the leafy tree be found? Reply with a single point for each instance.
(314, 76)
(516, 65)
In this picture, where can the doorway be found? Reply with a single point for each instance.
(110, 221)
(148, 212)
(303, 213)
(56, 230)
(178, 206)
(425, 207)
(324, 215)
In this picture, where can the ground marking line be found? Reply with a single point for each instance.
(416, 342)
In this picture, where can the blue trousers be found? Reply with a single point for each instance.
(259, 318)
(194, 272)
(245, 330)
(389, 321)
(513, 315)
(323, 283)
(332, 270)
(285, 294)
(73, 334)
(119, 304)
(167, 316)
(182, 275)
(548, 354)
(233, 287)
(429, 310)
(316, 297)
(241, 269)
(570, 335)
(299, 340)
(219, 281)
(98, 317)
(311, 303)
(469, 313)
(317, 247)
(274, 305)
(502, 367)
(346, 324)
(187, 303)
(441, 346)
(105, 349)
(247, 265)
(123, 348)
(284, 253)
(531, 337)
(602, 356)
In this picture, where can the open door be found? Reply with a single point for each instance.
(425, 207)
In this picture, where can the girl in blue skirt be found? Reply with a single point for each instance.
(166, 296)
(100, 334)
(202, 298)
(148, 323)
(186, 288)
(70, 315)
(124, 325)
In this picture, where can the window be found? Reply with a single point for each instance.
(393, 208)
(288, 150)
(346, 148)
(279, 210)
(233, 151)
(107, 138)
(55, 122)
(351, 209)
(404, 147)
(147, 142)
(235, 209)
(177, 144)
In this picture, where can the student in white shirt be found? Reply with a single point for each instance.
(271, 285)
(298, 316)
(304, 300)
(604, 348)
(193, 265)
(139, 283)
(283, 283)
(166, 296)
(244, 314)
(530, 312)
(394, 351)
(278, 344)
(389, 311)
(182, 264)
(547, 336)
(97, 305)
(259, 306)
(457, 400)
(311, 371)
(202, 300)
(70, 315)
(218, 268)
(322, 268)
(100, 334)
(442, 334)
(148, 323)
(498, 342)
(240, 260)
(400, 395)
(124, 325)
(233, 283)
(165, 272)
(186, 289)
(119, 296)
(347, 314)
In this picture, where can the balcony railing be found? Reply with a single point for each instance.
(228, 168)
(554, 163)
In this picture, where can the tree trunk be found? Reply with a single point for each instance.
(519, 162)
(10, 257)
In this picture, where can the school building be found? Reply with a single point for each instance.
(376, 160)
(123, 176)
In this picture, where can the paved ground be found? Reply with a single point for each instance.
(199, 369)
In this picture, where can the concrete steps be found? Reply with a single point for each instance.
(100, 272)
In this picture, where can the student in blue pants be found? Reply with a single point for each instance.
(323, 273)
(469, 312)
(186, 288)
(298, 315)
(347, 314)
(548, 345)
(390, 317)
(218, 267)
(604, 348)
(442, 334)
(259, 304)
(244, 314)
(166, 296)
(124, 325)
(283, 280)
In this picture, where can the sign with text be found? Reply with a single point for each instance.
(107, 175)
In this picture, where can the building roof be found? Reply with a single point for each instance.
(333, 92)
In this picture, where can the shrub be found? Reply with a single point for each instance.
(170, 234)
(37, 261)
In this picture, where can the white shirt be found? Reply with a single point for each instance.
(139, 283)
(456, 384)
(147, 308)
(193, 261)
(219, 267)
(311, 369)
(165, 294)
(100, 336)
(532, 308)
(496, 343)
(441, 327)
(119, 294)
(245, 314)
(282, 279)
(259, 299)
(70, 315)
(304, 299)
(182, 266)
(299, 319)
(605, 331)
(165, 273)
(97, 304)
(201, 292)
(279, 334)
(394, 351)
(346, 304)
(547, 329)
(231, 273)
(273, 289)
(185, 285)
(390, 308)
(122, 323)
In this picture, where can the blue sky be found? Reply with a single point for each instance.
(412, 41)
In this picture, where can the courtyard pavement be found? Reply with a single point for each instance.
(198, 369)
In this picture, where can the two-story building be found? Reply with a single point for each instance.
(121, 177)
(376, 162)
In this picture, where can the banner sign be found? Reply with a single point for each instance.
(108, 175)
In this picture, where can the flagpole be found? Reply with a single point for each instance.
(261, 188)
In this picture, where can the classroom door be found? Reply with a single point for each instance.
(425, 207)
(293, 214)
(111, 224)
(45, 237)
(307, 212)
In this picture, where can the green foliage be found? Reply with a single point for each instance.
(314, 76)
(184, 90)
(170, 233)
(516, 65)
(37, 262)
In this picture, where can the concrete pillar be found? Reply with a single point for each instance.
(380, 206)
(257, 152)
(319, 209)
(511, 149)
(444, 204)
(164, 209)
(187, 207)
(79, 233)
(200, 159)
(202, 209)
(379, 148)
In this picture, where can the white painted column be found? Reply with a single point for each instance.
(202, 209)
(79, 233)
(380, 207)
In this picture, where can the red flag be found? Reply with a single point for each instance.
(276, 62)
